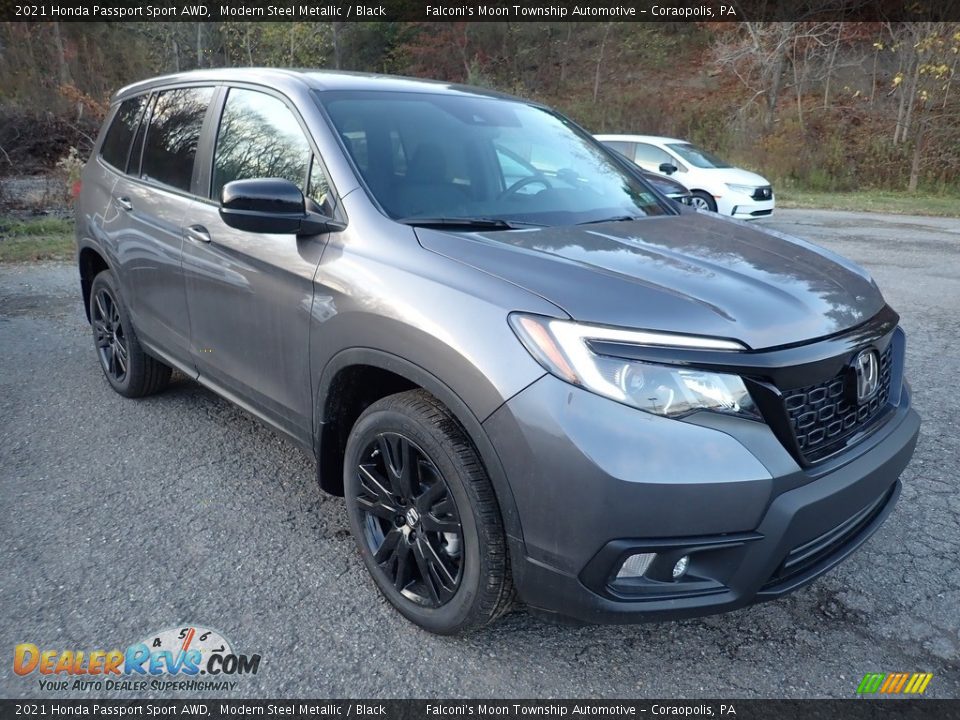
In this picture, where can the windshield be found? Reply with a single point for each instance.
(698, 157)
(457, 156)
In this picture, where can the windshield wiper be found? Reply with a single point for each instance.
(467, 222)
(615, 218)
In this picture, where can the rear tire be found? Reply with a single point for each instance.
(125, 364)
(424, 515)
(703, 201)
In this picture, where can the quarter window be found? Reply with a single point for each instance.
(260, 138)
(116, 144)
(172, 137)
(319, 189)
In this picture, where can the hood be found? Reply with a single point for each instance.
(690, 273)
(737, 176)
(666, 185)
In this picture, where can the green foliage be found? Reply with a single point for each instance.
(881, 201)
(36, 239)
(34, 228)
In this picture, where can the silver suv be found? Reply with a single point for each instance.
(530, 373)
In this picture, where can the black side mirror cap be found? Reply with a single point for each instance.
(271, 205)
(668, 168)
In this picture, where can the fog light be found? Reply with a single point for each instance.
(636, 565)
(680, 569)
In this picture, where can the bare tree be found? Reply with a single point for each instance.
(831, 64)
(62, 65)
(603, 45)
(758, 56)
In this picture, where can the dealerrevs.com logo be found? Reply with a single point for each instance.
(186, 658)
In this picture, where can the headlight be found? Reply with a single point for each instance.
(563, 348)
(745, 189)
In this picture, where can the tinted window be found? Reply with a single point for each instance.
(652, 155)
(171, 143)
(356, 142)
(515, 173)
(136, 152)
(319, 189)
(260, 138)
(116, 144)
(624, 148)
(466, 156)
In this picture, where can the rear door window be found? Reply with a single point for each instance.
(116, 145)
(170, 147)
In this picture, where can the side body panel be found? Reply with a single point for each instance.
(93, 207)
(143, 227)
(250, 299)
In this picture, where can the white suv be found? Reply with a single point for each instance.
(715, 185)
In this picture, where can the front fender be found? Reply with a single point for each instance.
(451, 399)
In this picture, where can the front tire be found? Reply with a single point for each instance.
(127, 367)
(703, 201)
(424, 515)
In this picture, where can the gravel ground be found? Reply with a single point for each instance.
(34, 195)
(119, 518)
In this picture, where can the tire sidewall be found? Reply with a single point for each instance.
(450, 617)
(711, 203)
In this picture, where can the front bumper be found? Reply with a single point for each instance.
(743, 207)
(595, 481)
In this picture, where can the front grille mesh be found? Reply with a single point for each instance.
(822, 416)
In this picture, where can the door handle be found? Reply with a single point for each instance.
(198, 233)
(125, 203)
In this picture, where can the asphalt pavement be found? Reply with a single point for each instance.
(119, 518)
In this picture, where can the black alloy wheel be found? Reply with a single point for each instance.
(125, 364)
(424, 515)
(109, 335)
(409, 520)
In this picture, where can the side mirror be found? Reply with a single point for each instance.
(271, 205)
(668, 168)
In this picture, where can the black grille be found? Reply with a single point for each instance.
(824, 416)
(813, 552)
(763, 193)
